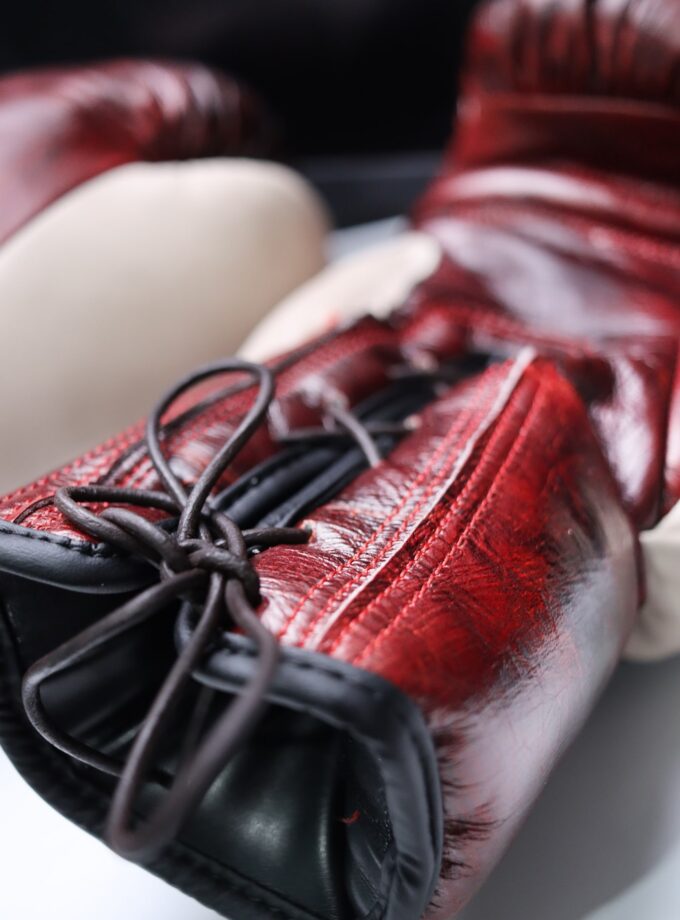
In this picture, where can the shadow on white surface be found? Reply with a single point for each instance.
(54, 871)
(657, 896)
(609, 816)
(606, 829)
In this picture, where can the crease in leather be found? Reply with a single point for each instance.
(481, 506)
(438, 483)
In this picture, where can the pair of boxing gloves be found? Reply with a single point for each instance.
(309, 640)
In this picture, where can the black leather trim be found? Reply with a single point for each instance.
(54, 559)
(368, 708)
(389, 725)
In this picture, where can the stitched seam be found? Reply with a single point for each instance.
(382, 635)
(408, 492)
(455, 437)
(453, 509)
(441, 454)
(68, 543)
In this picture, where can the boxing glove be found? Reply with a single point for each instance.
(402, 560)
(397, 586)
(111, 248)
(566, 160)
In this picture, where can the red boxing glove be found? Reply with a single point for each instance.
(442, 633)
(65, 126)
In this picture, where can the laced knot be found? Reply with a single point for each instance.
(203, 561)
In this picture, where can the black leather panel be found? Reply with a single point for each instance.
(391, 730)
(275, 814)
(276, 832)
(332, 809)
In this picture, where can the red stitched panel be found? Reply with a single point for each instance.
(486, 568)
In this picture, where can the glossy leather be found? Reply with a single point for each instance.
(559, 210)
(487, 569)
(63, 126)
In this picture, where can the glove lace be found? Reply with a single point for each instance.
(204, 563)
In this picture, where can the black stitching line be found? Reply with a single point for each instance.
(68, 543)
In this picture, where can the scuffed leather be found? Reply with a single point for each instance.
(558, 209)
(487, 569)
(62, 126)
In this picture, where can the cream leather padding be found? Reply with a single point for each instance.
(657, 634)
(135, 278)
(375, 280)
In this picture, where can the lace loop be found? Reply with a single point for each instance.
(206, 550)
(203, 561)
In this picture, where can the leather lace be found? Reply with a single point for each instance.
(204, 563)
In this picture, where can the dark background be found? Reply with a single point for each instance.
(363, 90)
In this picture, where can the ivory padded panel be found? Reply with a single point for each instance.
(375, 280)
(131, 280)
(657, 634)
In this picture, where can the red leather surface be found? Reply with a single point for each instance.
(60, 127)
(574, 79)
(487, 569)
(559, 208)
